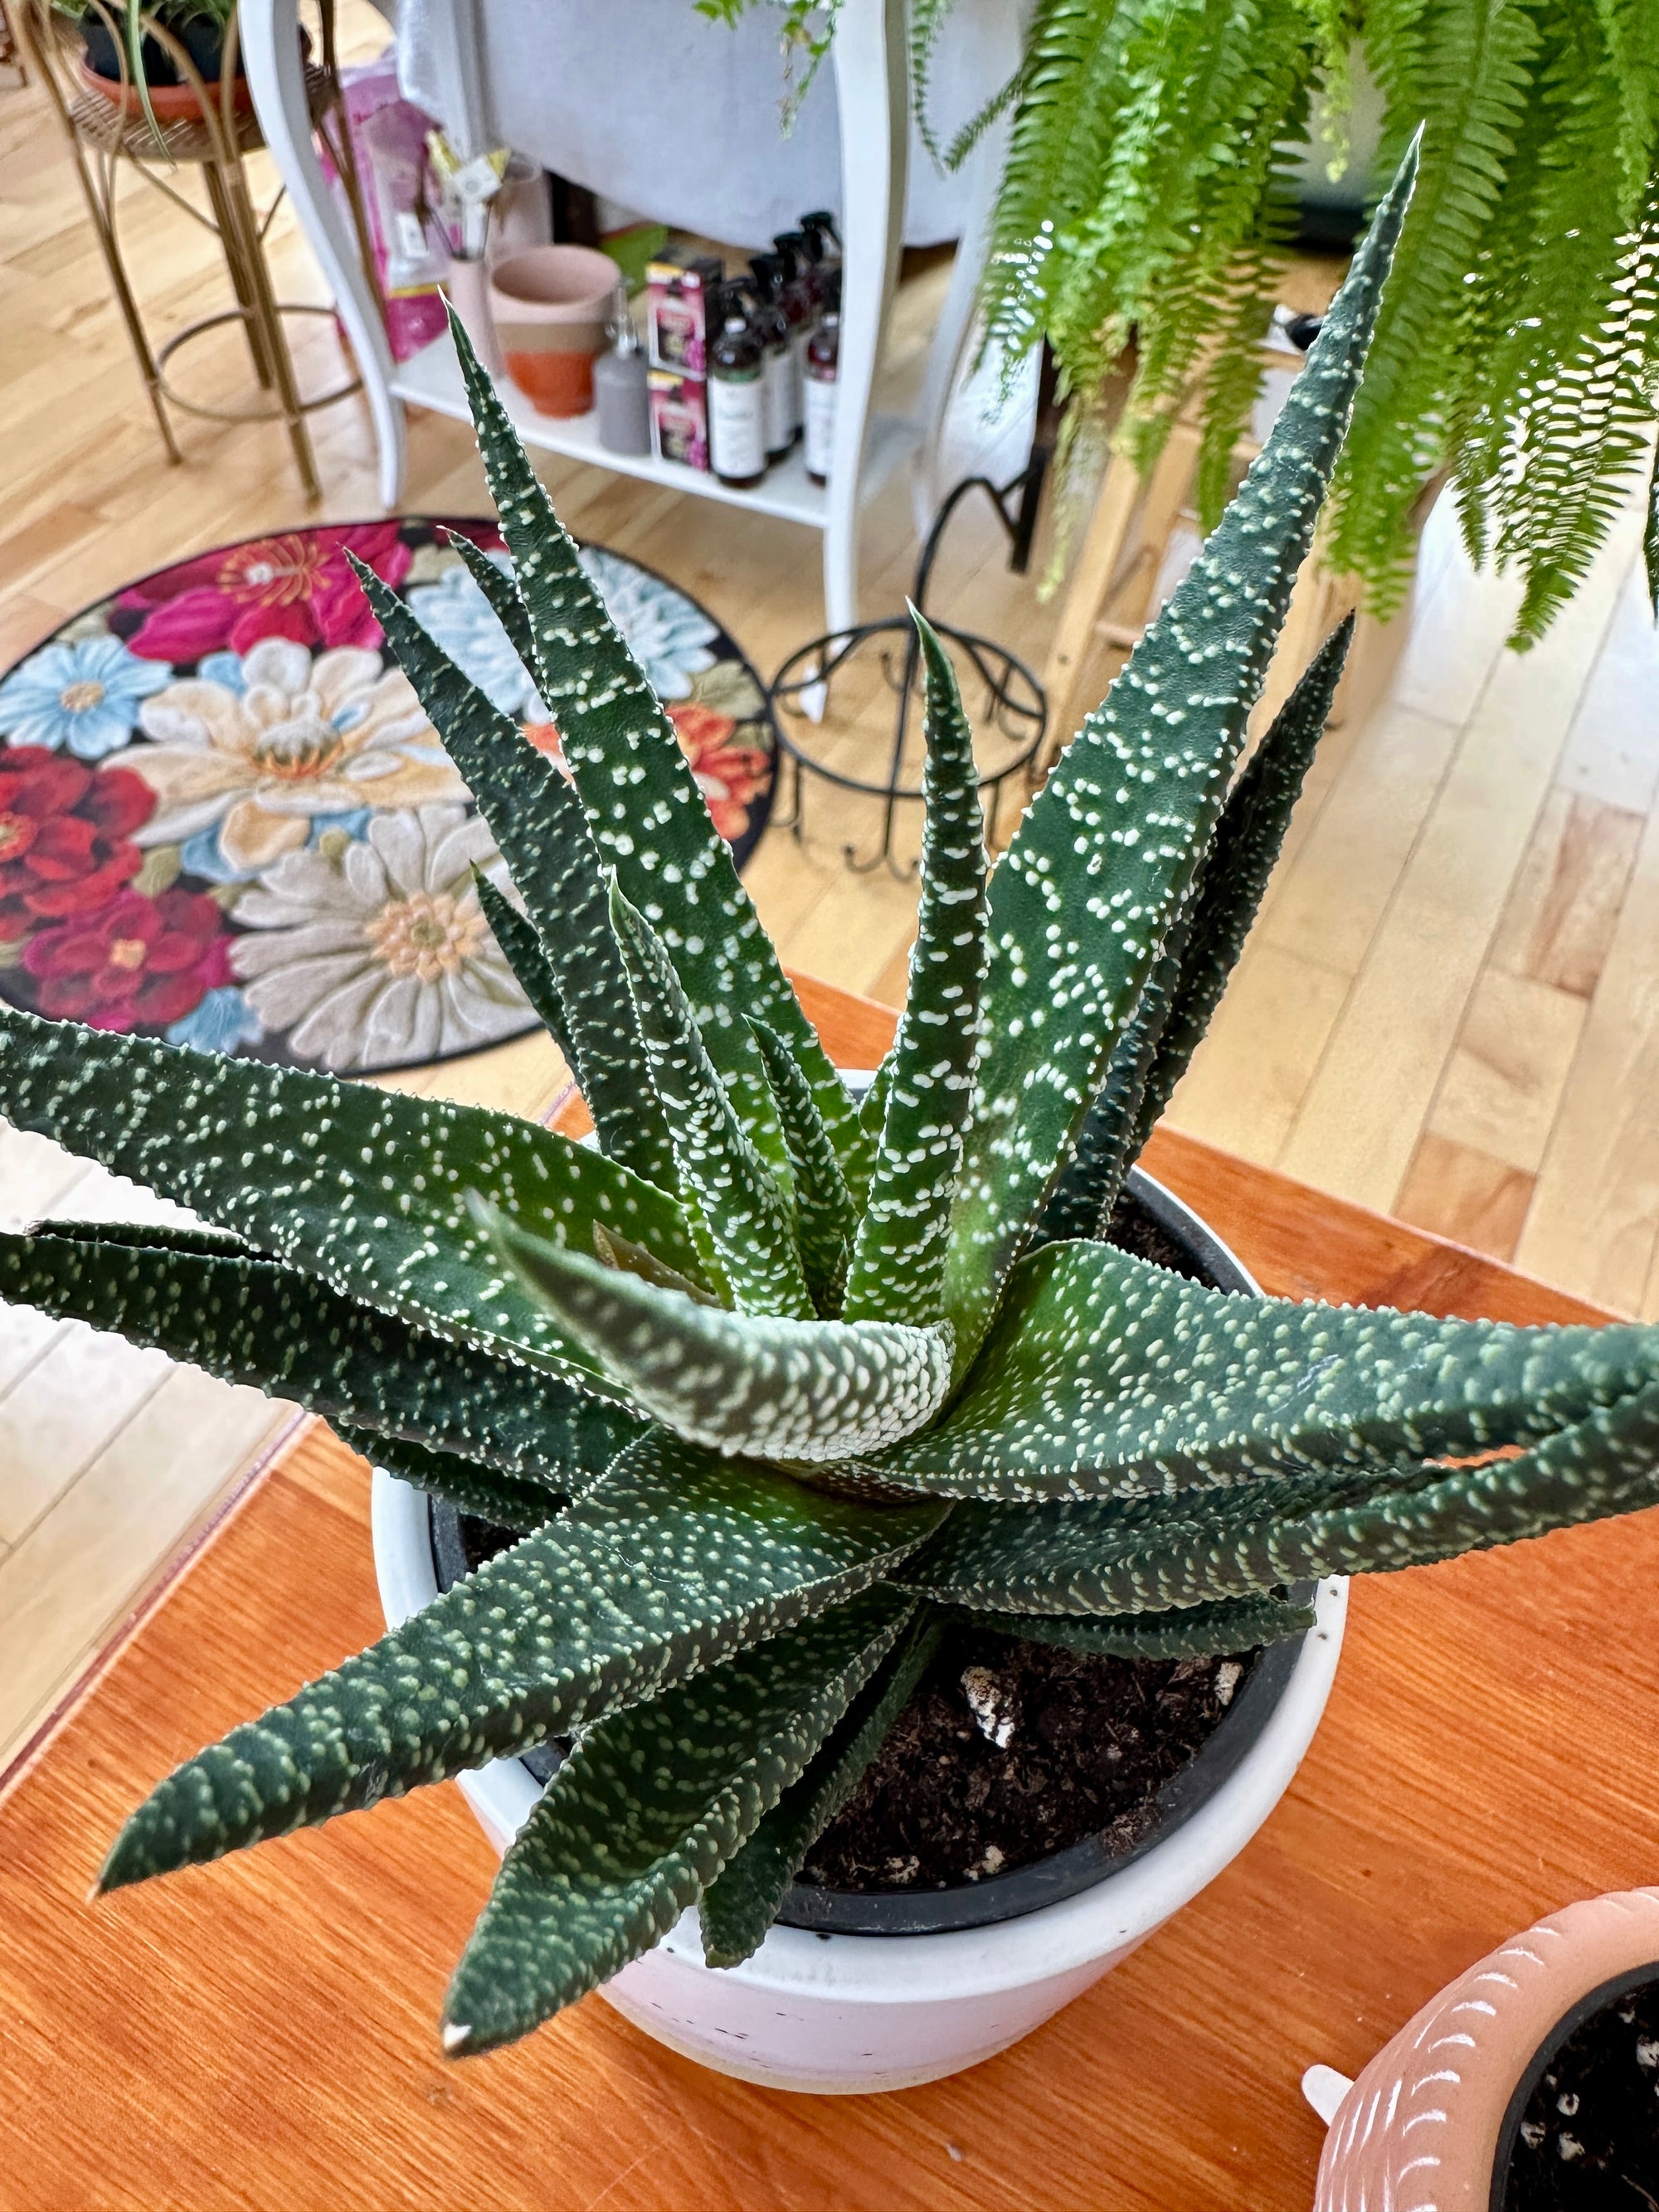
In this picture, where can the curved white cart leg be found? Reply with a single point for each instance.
(275, 75)
(872, 85)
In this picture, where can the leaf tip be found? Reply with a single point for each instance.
(457, 2035)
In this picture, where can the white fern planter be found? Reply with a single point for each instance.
(846, 2015)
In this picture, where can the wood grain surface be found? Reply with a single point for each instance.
(261, 2034)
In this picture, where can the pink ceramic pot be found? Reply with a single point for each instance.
(1420, 2131)
(548, 306)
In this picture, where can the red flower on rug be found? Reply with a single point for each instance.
(65, 835)
(730, 777)
(141, 960)
(299, 586)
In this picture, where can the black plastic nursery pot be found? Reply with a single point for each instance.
(202, 37)
(1581, 2132)
(1157, 1226)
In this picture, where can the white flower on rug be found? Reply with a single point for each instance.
(259, 743)
(668, 634)
(456, 616)
(378, 954)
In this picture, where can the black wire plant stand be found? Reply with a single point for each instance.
(1012, 705)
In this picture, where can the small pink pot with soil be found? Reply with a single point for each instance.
(1498, 2095)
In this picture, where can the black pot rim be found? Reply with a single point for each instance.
(1593, 2001)
(1080, 1866)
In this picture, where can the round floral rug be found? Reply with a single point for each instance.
(225, 821)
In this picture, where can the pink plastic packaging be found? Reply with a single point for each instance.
(388, 140)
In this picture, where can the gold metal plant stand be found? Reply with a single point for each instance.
(104, 130)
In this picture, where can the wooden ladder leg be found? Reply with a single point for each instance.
(1085, 596)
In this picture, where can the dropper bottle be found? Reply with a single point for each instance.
(620, 390)
(771, 327)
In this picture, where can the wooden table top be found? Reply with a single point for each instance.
(262, 2034)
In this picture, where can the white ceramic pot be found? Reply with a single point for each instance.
(843, 2015)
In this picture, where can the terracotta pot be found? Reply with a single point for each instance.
(549, 304)
(169, 103)
(1428, 2121)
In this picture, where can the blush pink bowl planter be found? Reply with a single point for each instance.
(843, 2015)
(1422, 2129)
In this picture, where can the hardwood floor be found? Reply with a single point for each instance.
(1450, 1008)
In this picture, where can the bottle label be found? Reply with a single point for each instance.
(820, 424)
(737, 425)
(778, 380)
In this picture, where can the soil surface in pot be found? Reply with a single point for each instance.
(1589, 2140)
(1010, 1750)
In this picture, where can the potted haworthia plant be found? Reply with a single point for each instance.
(1529, 2084)
(766, 1382)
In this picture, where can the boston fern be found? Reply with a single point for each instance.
(1148, 189)
(771, 1383)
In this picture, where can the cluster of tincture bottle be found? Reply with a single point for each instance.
(773, 365)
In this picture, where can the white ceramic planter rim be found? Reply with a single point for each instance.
(1117, 1911)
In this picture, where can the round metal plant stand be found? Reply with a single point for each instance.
(1004, 699)
(109, 133)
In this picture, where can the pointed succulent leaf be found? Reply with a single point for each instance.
(1083, 898)
(520, 1506)
(1197, 956)
(648, 817)
(674, 1562)
(645, 1811)
(742, 1904)
(824, 1213)
(1151, 1555)
(1238, 868)
(250, 1320)
(898, 1253)
(737, 1197)
(802, 1390)
(365, 1188)
(522, 950)
(538, 824)
(1108, 1376)
(1192, 1632)
(1080, 1205)
(498, 587)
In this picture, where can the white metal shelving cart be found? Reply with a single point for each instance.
(871, 83)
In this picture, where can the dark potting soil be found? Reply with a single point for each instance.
(1589, 2135)
(1010, 1750)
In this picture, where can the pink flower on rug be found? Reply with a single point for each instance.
(297, 586)
(137, 960)
(730, 776)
